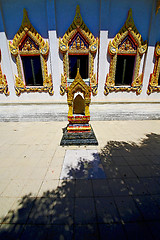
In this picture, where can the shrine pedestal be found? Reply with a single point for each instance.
(78, 137)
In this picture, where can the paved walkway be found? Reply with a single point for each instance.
(109, 191)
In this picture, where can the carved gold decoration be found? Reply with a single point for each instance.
(78, 45)
(128, 41)
(127, 47)
(136, 87)
(94, 85)
(28, 47)
(153, 82)
(78, 40)
(28, 42)
(3, 82)
(63, 85)
(157, 6)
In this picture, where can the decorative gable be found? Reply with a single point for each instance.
(78, 40)
(28, 46)
(127, 41)
(28, 42)
(78, 44)
(127, 46)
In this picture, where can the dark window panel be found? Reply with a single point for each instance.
(124, 69)
(80, 61)
(32, 70)
(159, 80)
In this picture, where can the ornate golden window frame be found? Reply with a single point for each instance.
(3, 82)
(128, 29)
(78, 26)
(153, 82)
(27, 30)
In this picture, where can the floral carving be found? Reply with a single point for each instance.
(3, 82)
(153, 82)
(28, 46)
(127, 47)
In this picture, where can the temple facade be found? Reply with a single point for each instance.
(113, 46)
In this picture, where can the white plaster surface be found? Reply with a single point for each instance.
(56, 64)
(55, 67)
(103, 64)
(150, 60)
(59, 112)
(6, 65)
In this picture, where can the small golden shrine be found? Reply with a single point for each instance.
(79, 106)
(78, 81)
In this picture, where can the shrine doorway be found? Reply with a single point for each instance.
(79, 105)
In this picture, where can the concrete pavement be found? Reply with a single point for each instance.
(112, 192)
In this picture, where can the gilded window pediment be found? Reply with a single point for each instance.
(78, 25)
(127, 46)
(78, 40)
(28, 46)
(78, 45)
(129, 42)
(28, 42)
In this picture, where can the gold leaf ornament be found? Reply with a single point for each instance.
(28, 42)
(127, 41)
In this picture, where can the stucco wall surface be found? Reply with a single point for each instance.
(52, 18)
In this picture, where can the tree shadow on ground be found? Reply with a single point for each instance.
(123, 204)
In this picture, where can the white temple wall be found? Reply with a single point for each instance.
(51, 19)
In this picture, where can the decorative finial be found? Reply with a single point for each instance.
(25, 11)
(78, 18)
(78, 8)
(78, 75)
(25, 21)
(129, 21)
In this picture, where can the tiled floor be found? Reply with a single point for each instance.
(109, 191)
(82, 164)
